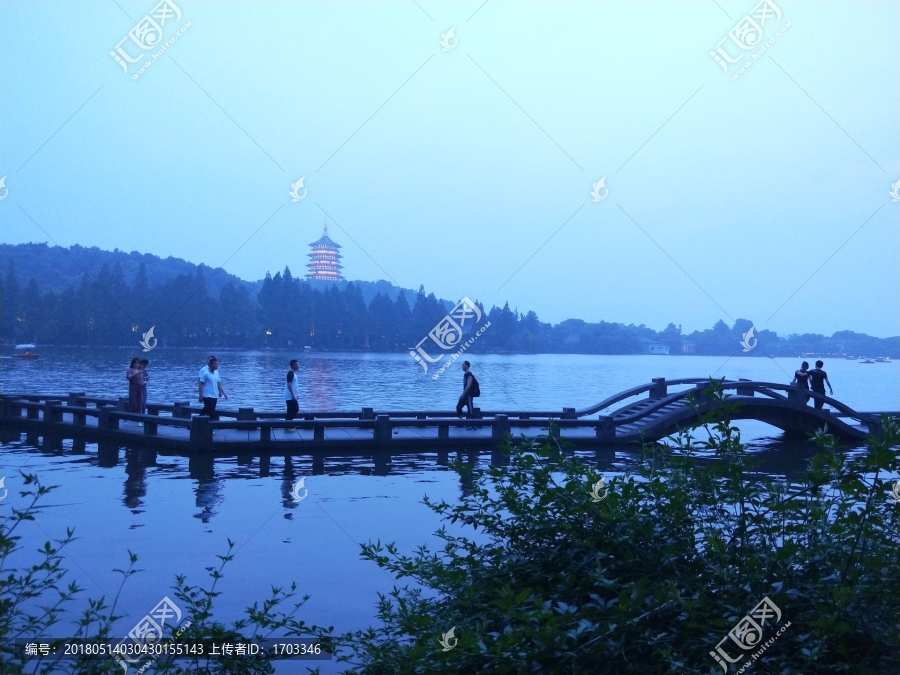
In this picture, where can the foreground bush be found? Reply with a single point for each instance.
(652, 577)
(33, 599)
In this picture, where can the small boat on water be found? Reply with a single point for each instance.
(24, 352)
(866, 361)
(307, 349)
(882, 359)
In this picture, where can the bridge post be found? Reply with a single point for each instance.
(499, 457)
(264, 466)
(318, 433)
(367, 414)
(318, 462)
(246, 415)
(606, 427)
(876, 428)
(107, 454)
(382, 460)
(744, 391)
(201, 467)
(660, 389)
(568, 414)
(51, 415)
(107, 421)
(201, 432)
(181, 410)
(74, 399)
(8, 435)
(500, 427)
(443, 431)
(382, 428)
(123, 403)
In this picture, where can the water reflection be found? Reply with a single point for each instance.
(136, 481)
(321, 385)
(207, 497)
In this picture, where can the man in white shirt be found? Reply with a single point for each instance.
(210, 388)
(291, 392)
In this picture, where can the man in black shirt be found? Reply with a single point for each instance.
(818, 378)
(466, 398)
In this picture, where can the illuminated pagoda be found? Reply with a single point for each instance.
(324, 259)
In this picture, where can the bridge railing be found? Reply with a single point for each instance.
(658, 388)
(108, 418)
(794, 394)
(186, 409)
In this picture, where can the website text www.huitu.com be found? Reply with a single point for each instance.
(759, 53)
(768, 643)
(159, 53)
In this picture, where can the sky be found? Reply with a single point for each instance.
(466, 162)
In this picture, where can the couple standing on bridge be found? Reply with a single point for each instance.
(817, 377)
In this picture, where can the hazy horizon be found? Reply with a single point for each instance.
(469, 170)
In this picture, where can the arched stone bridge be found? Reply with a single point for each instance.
(783, 406)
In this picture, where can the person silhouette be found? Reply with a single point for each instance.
(801, 379)
(818, 379)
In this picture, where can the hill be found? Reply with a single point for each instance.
(55, 268)
(87, 296)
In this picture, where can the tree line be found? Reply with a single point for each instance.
(289, 312)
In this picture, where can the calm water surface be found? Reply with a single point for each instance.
(177, 524)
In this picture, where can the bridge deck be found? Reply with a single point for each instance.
(178, 428)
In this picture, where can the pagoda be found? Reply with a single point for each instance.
(324, 259)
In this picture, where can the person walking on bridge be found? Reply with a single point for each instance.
(470, 391)
(209, 389)
(291, 392)
(801, 379)
(818, 379)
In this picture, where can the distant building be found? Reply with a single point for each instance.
(688, 348)
(656, 348)
(324, 259)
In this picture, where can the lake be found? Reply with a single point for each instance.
(177, 524)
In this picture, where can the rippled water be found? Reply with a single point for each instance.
(349, 381)
(176, 523)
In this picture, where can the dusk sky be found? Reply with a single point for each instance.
(468, 166)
